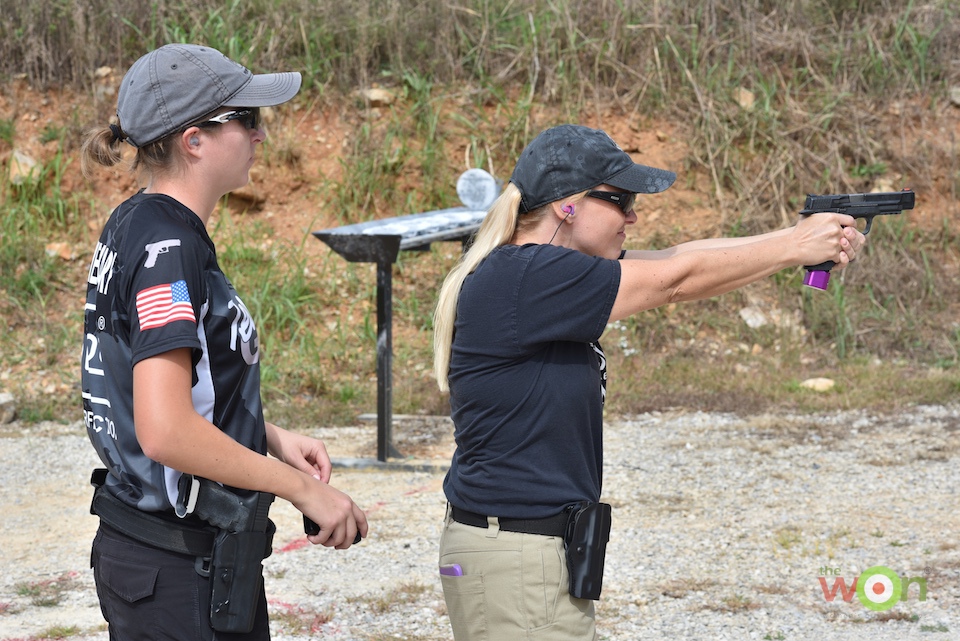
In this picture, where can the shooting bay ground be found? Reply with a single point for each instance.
(724, 527)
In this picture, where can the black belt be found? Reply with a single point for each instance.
(148, 528)
(551, 526)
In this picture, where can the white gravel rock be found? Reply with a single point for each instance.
(723, 527)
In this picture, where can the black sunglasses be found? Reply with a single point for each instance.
(622, 199)
(249, 118)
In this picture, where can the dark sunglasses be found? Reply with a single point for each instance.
(622, 199)
(249, 118)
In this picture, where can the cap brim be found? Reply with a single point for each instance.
(267, 90)
(640, 179)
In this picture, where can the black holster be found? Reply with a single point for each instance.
(236, 579)
(235, 567)
(588, 531)
(238, 530)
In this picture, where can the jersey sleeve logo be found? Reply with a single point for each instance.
(157, 306)
(155, 249)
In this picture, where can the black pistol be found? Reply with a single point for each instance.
(866, 206)
(310, 528)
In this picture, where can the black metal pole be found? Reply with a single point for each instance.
(385, 361)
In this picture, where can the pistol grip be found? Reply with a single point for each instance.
(309, 527)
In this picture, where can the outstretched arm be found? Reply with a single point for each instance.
(705, 243)
(855, 239)
(706, 268)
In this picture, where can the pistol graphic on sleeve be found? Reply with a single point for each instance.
(155, 249)
(866, 206)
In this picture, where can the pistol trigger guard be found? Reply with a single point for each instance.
(866, 230)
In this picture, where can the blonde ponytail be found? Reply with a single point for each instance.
(102, 147)
(497, 229)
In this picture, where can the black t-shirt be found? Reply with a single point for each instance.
(154, 285)
(527, 381)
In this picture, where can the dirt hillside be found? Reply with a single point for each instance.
(309, 139)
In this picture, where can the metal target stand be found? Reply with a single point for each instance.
(380, 242)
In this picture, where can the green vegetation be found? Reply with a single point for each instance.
(60, 632)
(774, 100)
(47, 593)
(402, 595)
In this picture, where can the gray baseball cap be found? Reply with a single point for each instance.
(569, 159)
(177, 84)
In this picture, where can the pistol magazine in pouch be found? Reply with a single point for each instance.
(588, 531)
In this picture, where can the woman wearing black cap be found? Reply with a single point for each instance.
(516, 343)
(170, 369)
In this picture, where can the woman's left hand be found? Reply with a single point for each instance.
(853, 239)
(309, 455)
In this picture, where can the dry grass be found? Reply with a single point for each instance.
(775, 100)
(679, 588)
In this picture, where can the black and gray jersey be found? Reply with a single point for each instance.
(154, 285)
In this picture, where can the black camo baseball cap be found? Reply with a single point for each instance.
(177, 84)
(569, 159)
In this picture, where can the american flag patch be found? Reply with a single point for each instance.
(157, 306)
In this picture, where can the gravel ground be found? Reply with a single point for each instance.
(723, 527)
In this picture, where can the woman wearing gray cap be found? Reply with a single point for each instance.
(517, 331)
(170, 369)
